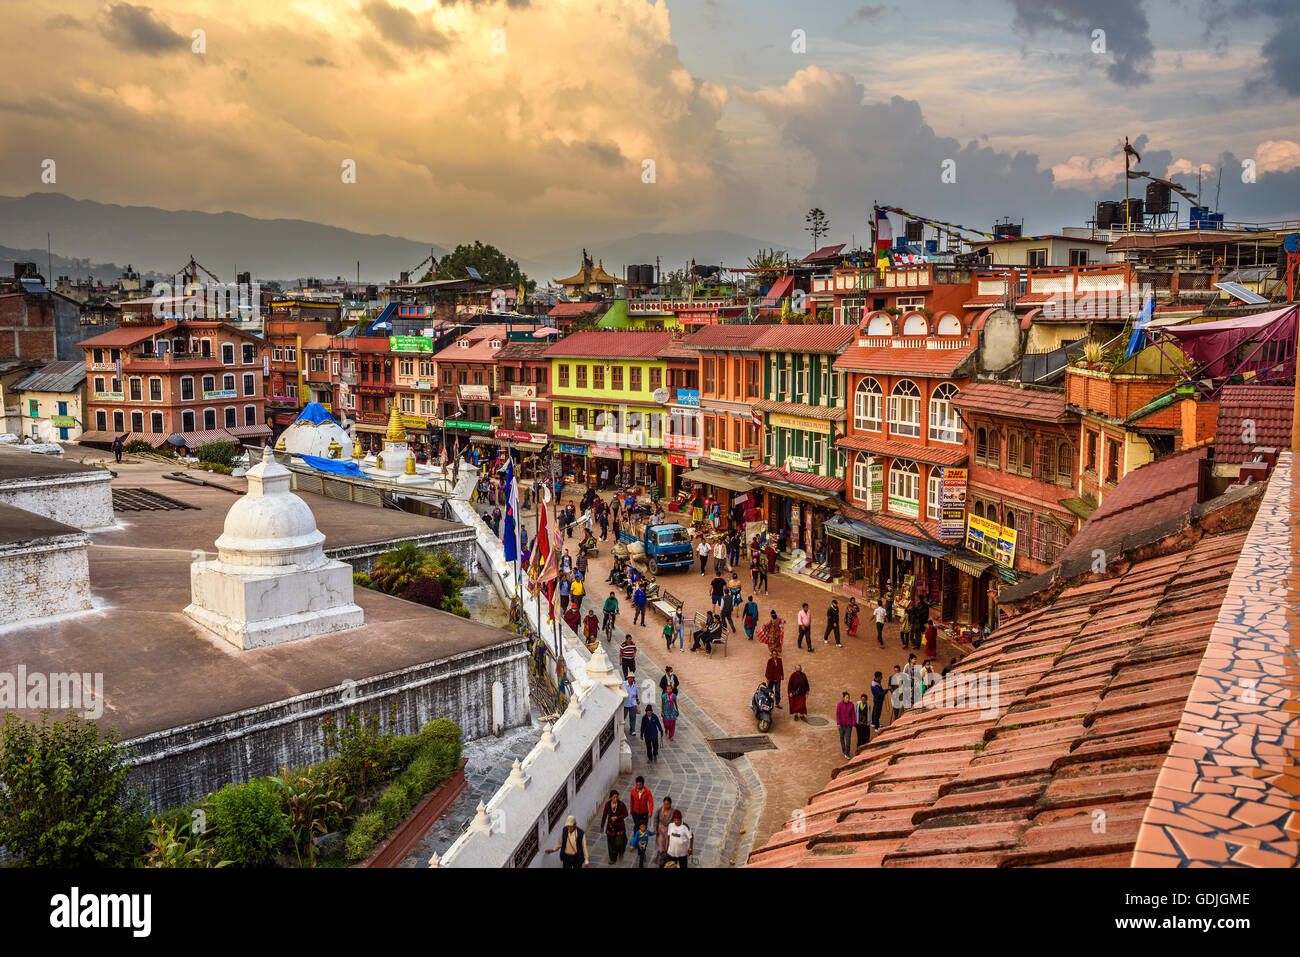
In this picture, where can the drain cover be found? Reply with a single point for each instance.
(816, 720)
(731, 748)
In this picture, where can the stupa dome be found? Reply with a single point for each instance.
(269, 526)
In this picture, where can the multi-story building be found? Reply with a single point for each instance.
(468, 391)
(154, 379)
(52, 402)
(415, 385)
(682, 439)
(365, 383)
(903, 432)
(604, 412)
(291, 324)
(524, 388)
(803, 409)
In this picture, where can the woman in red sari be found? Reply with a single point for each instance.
(797, 693)
(773, 633)
(931, 639)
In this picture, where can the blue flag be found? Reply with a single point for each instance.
(510, 540)
(1139, 327)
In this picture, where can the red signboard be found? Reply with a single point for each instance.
(679, 460)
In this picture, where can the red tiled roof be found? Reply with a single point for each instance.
(1269, 407)
(996, 399)
(521, 351)
(727, 335)
(479, 348)
(1090, 690)
(1148, 497)
(599, 344)
(572, 310)
(923, 362)
(125, 336)
(929, 454)
(824, 413)
(826, 483)
(320, 340)
(806, 338)
(678, 349)
(826, 252)
(982, 302)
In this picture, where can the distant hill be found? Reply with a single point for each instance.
(162, 240)
(675, 250)
(58, 265)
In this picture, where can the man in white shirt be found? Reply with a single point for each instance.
(702, 550)
(880, 616)
(680, 840)
(719, 557)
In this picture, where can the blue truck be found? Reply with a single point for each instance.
(666, 545)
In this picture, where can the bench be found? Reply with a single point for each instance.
(700, 619)
(667, 604)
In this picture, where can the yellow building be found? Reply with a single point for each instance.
(608, 404)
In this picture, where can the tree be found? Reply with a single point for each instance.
(817, 224)
(490, 263)
(773, 263)
(674, 284)
(64, 796)
(399, 566)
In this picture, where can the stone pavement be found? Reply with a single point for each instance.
(806, 753)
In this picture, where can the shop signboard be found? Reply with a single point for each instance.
(876, 477)
(605, 452)
(220, 394)
(661, 396)
(523, 392)
(801, 463)
(689, 397)
(63, 421)
(108, 395)
(409, 422)
(473, 426)
(481, 393)
(570, 449)
(514, 435)
(410, 344)
(952, 503)
(995, 542)
(728, 457)
(798, 422)
(683, 443)
(680, 461)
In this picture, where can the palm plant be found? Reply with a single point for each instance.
(396, 568)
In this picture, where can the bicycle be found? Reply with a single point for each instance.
(608, 626)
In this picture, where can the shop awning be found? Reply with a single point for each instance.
(969, 562)
(846, 529)
(908, 543)
(718, 480)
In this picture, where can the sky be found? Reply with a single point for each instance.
(536, 124)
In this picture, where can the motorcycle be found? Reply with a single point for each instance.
(761, 704)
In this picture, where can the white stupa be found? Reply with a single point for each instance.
(271, 582)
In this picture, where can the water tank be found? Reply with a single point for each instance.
(1109, 213)
(1007, 228)
(1157, 198)
(914, 230)
(1134, 216)
(645, 274)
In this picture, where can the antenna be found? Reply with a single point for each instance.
(1216, 189)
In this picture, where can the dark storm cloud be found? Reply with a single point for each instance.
(869, 13)
(136, 30)
(1280, 69)
(1128, 32)
(402, 27)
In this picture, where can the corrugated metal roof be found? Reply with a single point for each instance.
(55, 377)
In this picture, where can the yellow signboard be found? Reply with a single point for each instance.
(798, 422)
(993, 541)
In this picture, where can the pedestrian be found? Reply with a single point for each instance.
(640, 841)
(668, 709)
(749, 617)
(707, 635)
(639, 603)
(952, 663)
(566, 584)
(773, 634)
(681, 842)
(719, 557)
(770, 553)
(618, 528)
(668, 634)
(899, 688)
(662, 822)
(774, 672)
(613, 819)
(496, 521)
(669, 679)
(733, 548)
(566, 562)
(590, 627)
(877, 701)
(879, 614)
(604, 525)
(573, 618)
(577, 587)
(610, 608)
(931, 639)
(702, 550)
(604, 478)
(679, 626)
(631, 701)
(640, 802)
(727, 605)
(572, 846)
(118, 446)
(832, 624)
(754, 572)
(627, 655)
(805, 626)
(851, 617)
(797, 688)
(716, 588)
(844, 720)
(651, 728)
(762, 578)
(862, 719)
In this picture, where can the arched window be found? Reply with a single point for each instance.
(945, 426)
(187, 388)
(209, 418)
(979, 509)
(915, 325)
(101, 420)
(880, 325)
(187, 420)
(228, 353)
(228, 382)
(905, 409)
(119, 422)
(1010, 519)
(232, 417)
(1013, 452)
(949, 325)
(156, 422)
(904, 488)
(995, 449)
(866, 405)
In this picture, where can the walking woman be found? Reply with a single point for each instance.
(614, 821)
(750, 618)
(668, 709)
(663, 820)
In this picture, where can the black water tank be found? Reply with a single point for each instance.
(1109, 212)
(1007, 229)
(1134, 213)
(1157, 198)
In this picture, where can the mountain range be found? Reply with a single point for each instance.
(96, 239)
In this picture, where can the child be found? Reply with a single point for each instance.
(640, 841)
(669, 634)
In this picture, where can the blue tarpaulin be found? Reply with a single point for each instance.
(333, 466)
(314, 413)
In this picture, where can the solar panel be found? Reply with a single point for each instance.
(474, 272)
(1238, 291)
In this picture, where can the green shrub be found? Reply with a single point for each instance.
(138, 446)
(394, 805)
(363, 755)
(215, 467)
(446, 755)
(441, 729)
(249, 822)
(423, 774)
(64, 796)
(221, 452)
(361, 580)
(365, 833)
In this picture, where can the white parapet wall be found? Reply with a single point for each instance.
(572, 767)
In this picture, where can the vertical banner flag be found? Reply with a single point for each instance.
(510, 541)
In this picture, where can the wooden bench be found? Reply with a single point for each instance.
(700, 619)
(667, 604)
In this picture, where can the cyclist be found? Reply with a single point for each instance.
(611, 612)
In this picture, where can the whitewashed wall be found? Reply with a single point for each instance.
(82, 499)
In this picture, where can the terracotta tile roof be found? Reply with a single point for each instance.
(572, 310)
(982, 302)
(1269, 407)
(519, 351)
(809, 338)
(996, 399)
(923, 362)
(930, 454)
(727, 335)
(125, 336)
(480, 345)
(598, 344)
(678, 349)
(826, 252)
(826, 483)
(320, 340)
(826, 413)
(1090, 690)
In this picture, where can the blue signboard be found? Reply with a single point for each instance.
(572, 449)
(689, 397)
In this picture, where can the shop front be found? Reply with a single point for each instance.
(712, 495)
(647, 470)
(904, 566)
(573, 462)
